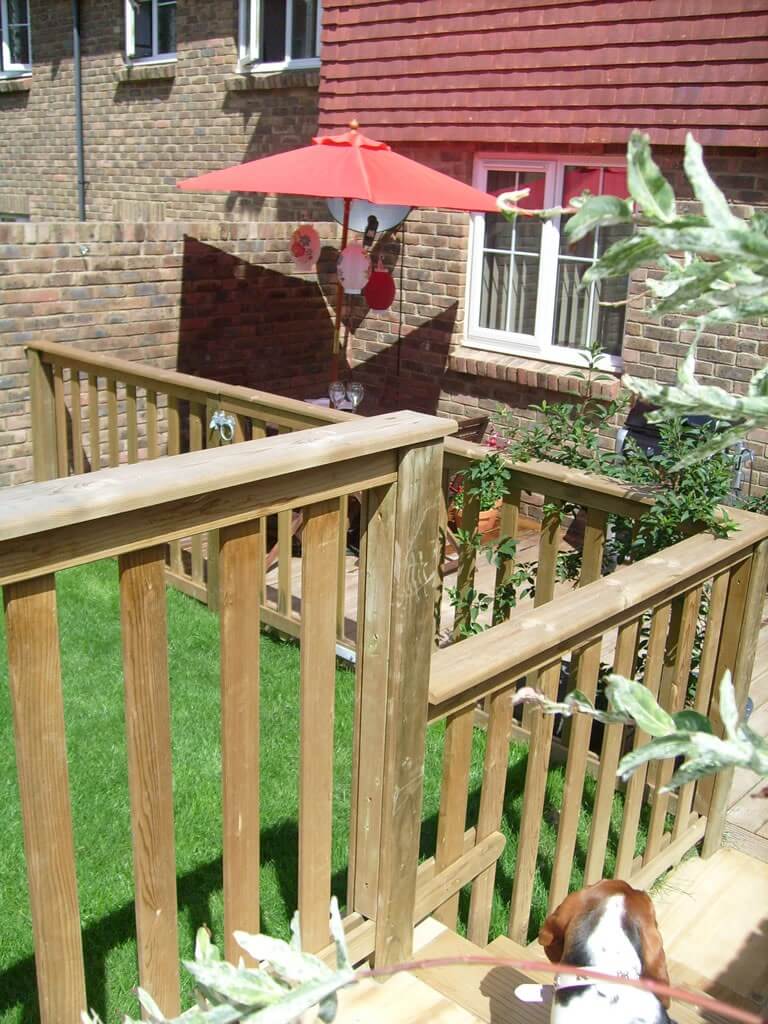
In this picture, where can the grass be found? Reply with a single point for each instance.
(93, 698)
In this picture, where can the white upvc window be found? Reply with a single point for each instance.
(150, 30)
(524, 296)
(16, 53)
(276, 34)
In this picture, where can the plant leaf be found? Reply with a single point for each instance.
(706, 191)
(691, 721)
(598, 211)
(691, 770)
(729, 712)
(647, 185)
(660, 748)
(636, 700)
(623, 256)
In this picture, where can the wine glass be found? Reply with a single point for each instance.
(336, 393)
(355, 393)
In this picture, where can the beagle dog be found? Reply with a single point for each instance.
(609, 927)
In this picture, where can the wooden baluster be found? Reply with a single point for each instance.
(62, 440)
(341, 569)
(746, 627)
(153, 447)
(318, 685)
(174, 447)
(150, 779)
(452, 818)
(284, 563)
(533, 807)
(491, 807)
(241, 552)
(610, 753)
(112, 430)
(509, 527)
(78, 462)
(34, 671)
(196, 436)
(633, 799)
(465, 577)
(672, 689)
(132, 423)
(585, 668)
(94, 430)
(44, 449)
(259, 431)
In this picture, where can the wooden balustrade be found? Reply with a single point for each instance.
(660, 597)
(131, 512)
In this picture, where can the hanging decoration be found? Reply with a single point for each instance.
(353, 268)
(305, 248)
(380, 291)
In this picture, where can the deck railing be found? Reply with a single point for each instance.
(661, 597)
(91, 410)
(131, 512)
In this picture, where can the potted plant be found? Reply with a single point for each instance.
(487, 481)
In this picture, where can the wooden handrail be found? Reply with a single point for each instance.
(558, 482)
(535, 637)
(49, 525)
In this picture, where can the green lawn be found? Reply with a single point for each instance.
(89, 617)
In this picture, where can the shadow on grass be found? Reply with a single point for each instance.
(279, 849)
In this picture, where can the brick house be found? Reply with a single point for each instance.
(542, 94)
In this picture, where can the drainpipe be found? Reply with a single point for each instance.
(77, 71)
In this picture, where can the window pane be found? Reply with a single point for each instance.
(304, 31)
(18, 40)
(143, 29)
(609, 329)
(166, 27)
(571, 306)
(18, 13)
(525, 290)
(495, 287)
(273, 31)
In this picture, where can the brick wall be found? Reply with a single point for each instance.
(218, 300)
(144, 127)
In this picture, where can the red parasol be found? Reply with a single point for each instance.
(347, 166)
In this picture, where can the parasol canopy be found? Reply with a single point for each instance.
(347, 166)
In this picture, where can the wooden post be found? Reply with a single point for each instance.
(150, 780)
(44, 457)
(239, 600)
(410, 651)
(94, 431)
(377, 536)
(318, 684)
(742, 675)
(41, 758)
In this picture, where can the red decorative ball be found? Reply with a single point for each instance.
(380, 291)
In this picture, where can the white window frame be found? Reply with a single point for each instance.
(249, 46)
(538, 345)
(130, 38)
(9, 68)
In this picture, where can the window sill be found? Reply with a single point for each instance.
(530, 373)
(145, 72)
(16, 83)
(285, 79)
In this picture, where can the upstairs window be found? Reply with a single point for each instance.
(276, 34)
(150, 30)
(16, 54)
(524, 276)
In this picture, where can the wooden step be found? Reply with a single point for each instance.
(487, 993)
(403, 999)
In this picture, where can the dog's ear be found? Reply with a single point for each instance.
(654, 960)
(552, 932)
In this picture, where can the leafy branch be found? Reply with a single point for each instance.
(686, 734)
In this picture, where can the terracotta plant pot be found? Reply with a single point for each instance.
(487, 522)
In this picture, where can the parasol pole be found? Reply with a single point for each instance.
(339, 298)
